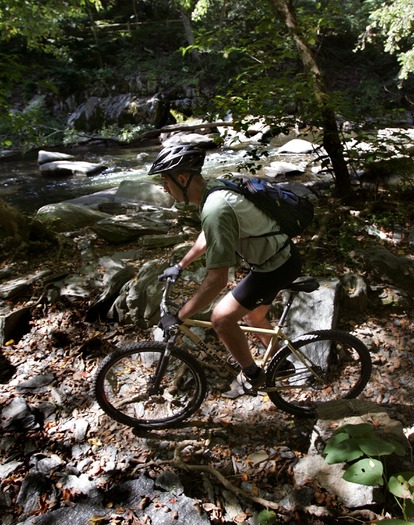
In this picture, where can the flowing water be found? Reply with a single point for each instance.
(23, 186)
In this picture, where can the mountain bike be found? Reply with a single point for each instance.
(158, 384)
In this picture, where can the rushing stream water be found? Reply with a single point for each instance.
(23, 186)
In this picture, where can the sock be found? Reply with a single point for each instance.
(251, 371)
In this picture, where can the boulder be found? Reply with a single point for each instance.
(144, 191)
(314, 311)
(14, 324)
(115, 276)
(44, 157)
(398, 269)
(283, 168)
(197, 139)
(120, 110)
(355, 298)
(298, 146)
(139, 299)
(313, 467)
(120, 229)
(66, 217)
(68, 167)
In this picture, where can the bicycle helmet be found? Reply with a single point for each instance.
(178, 158)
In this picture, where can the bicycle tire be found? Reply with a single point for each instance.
(343, 370)
(123, 380)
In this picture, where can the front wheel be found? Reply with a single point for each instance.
(143, 385)
(328, 365)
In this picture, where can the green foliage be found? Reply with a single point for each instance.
(40, 22)
(35, 126)
(365, 472)
(393, 21)
(363, 449)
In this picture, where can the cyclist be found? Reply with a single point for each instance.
(231, 226)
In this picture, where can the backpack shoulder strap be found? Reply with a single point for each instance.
(226, 185)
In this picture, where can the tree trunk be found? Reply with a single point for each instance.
(331, 139)
(188, 29)
(20, 233)
(13, 224)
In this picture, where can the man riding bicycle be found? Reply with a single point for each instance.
(231, 226)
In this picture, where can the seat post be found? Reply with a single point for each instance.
(286, 308)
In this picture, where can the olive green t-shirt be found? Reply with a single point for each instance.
(232, 225)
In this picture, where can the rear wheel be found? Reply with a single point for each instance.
(144, 386)
(336, 365)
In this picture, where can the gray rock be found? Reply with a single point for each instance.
(314, 311)
(115, 276)
(144, 191)
(314, 467)
(298, 146)
(279, 167)
(18, 286)
(18, 416)
(411, 236)
(67, 167)
(33, 487)
(49, 156)
(140, 496)
(161, 241)
(13, 325)
(355, 298)
(120, 110)
(7, 468)
(122, 229)
(398, 269)
(36, 382)
(66, 217)
(139, 300)
(205, 141)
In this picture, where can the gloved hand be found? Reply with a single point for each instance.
(173, 272)
(167, 321)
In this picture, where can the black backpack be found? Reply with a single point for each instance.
(292, 212)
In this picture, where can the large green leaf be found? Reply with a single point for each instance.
(360, 430)
(399, 447)
(365, 472)
(402, 485)
(374, 446)
(340, 448)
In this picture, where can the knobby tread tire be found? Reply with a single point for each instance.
(112, 380)
(346, 355)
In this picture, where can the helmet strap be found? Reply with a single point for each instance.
(183, 188)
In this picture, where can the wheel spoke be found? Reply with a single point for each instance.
(124, 386)
(340, 368)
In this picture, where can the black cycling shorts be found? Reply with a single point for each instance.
(259, 288)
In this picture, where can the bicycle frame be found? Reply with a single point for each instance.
(276, 334)
(208, 348)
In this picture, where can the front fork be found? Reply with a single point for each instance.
(154, 387)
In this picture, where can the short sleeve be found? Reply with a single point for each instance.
(221, 228)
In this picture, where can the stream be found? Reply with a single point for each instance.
(24, 187)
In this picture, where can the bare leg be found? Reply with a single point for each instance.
(225, 318)
(257, 318)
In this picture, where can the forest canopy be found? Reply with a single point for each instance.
(236, 56)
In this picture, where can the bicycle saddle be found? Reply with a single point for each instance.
(304, 284)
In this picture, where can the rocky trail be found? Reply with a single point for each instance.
(64, 460)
